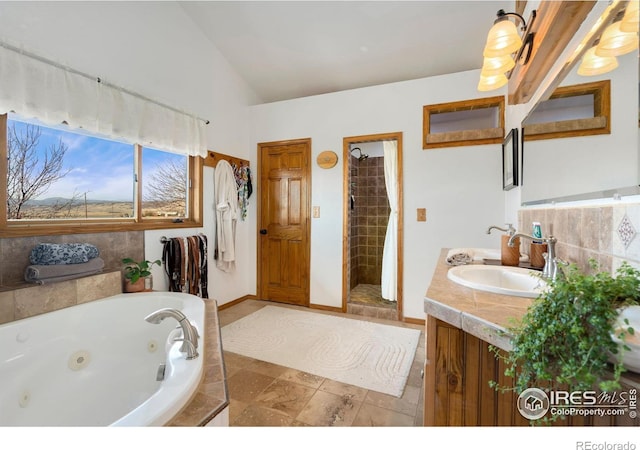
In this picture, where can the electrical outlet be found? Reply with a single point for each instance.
(316, 212)
(422, 214)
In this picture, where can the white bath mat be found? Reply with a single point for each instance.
(365, 354)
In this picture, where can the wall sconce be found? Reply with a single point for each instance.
(592, 64)
(619, 38)
(503, 41)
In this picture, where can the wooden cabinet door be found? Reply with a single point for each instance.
(284, 239)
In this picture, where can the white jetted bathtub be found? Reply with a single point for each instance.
(99, 363)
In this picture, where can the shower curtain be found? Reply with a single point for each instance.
(389, 282)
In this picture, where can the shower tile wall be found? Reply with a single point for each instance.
(369, 220)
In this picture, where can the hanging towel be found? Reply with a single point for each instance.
(226, 205)
(185, 262)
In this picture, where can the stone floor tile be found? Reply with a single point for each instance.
(374, 416)
(329, 410)
(303, 378)
(338, 388)
(285, 396)
(246, 385)
(265, 368)
(407, 404)
(258, 416)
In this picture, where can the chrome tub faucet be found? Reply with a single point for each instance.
(189, 332)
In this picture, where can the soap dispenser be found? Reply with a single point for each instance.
(509, 256)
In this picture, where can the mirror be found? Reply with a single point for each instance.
(595, 166)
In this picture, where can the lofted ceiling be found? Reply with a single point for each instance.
(290, 49)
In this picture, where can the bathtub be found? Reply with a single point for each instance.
(97, 364)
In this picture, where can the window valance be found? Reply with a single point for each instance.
(32, 87)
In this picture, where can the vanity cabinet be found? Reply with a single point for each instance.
(457, 392)
(461, 324)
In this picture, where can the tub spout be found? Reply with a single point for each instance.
(189, 332)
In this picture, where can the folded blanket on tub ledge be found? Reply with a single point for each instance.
(47, 254)
(51, 273)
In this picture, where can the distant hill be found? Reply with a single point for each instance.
(61, 200)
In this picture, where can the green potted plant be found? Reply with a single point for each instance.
(135, 274)
(566, 338)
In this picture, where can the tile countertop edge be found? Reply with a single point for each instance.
(443, 294)
(212, 395)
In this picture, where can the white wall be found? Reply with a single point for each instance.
(156, 50)
(460, 187)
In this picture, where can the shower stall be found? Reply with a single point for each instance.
(368, 215)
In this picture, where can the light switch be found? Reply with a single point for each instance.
(422, 214)
(316, 212)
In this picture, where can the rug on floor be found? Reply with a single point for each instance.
(365, 354)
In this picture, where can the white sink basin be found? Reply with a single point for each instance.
(514, 281)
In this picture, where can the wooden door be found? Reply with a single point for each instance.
(284, 231)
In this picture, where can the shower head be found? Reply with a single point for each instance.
(362, 156)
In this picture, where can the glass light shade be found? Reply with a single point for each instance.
(631, 18)
(498, 65)
(615, 42)
(492, 82)
(503, 39)
(593, 64)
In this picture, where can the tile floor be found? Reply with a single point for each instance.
(370, 294)
(265, 394)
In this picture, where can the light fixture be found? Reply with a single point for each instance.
(491, 82)
(503, 38)
(503, 41)
(593, 64)
(615, 42)
(497, 65)
(631, 18)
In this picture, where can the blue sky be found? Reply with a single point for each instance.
(102, 168)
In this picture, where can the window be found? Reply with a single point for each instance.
(469, 122)
(60, 180)
(578, 110)
(164, 184)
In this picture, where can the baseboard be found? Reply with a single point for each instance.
(326, 308)
(414, 321)
(236, 301)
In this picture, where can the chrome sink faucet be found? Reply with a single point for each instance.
(550, 270)
(509, 230)
(189, 332)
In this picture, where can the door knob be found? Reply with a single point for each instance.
(263, 231)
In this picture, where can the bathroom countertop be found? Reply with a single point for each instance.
(482, 314)
(212, 395)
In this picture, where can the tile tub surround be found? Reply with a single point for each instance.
(31, 300)
(609, 234)
(212, 396)
(113, 247)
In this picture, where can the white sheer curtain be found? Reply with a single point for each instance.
(31, 87)
(389, 280)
